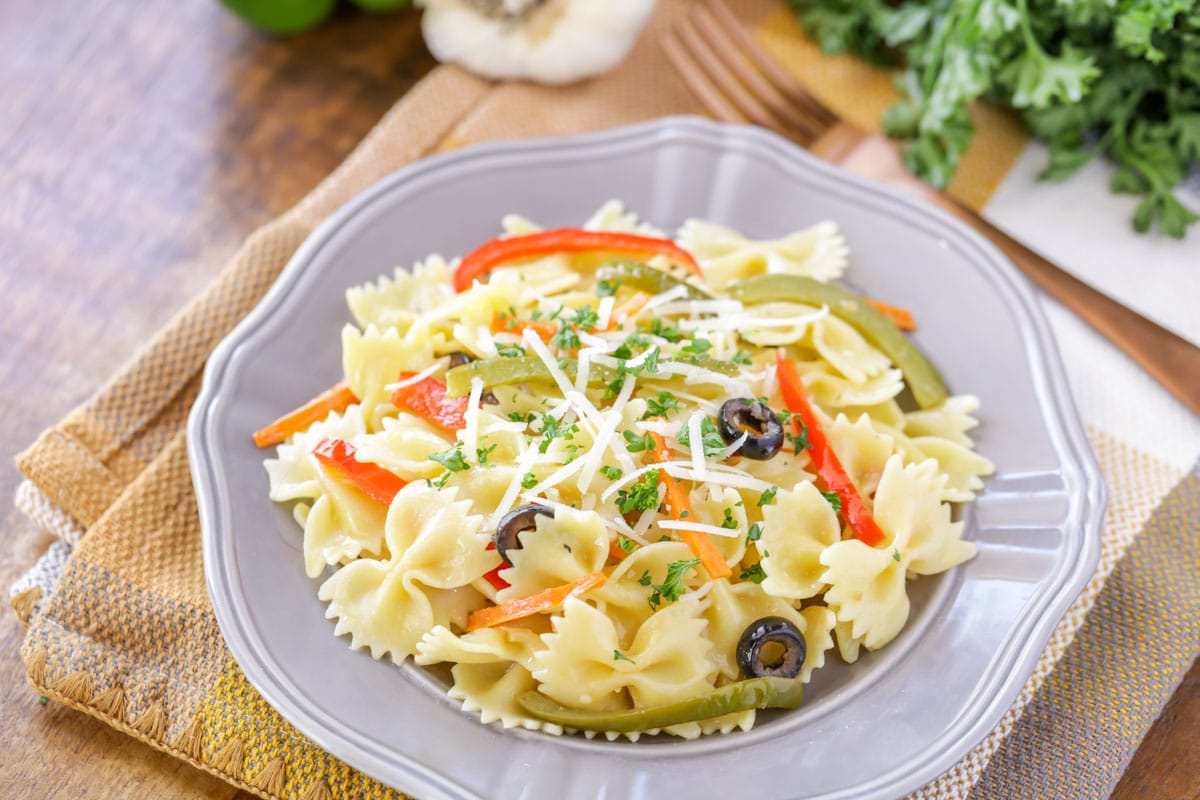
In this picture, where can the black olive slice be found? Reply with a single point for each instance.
(771, 647)
(458, 358)
(520, 519)
(764, 434)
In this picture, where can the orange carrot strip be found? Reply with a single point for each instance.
(534, 604)
(628, 309)
(336, 398)
(901, 316)
(680, 506)
(502, 323)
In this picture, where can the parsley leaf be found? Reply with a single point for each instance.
(834, 500)
(607, 288)
(742, 357)
(451, 459)
(671, 588)
(484, 452)
(755, 533)
(661, 329)
(711, 439)
(642, 495)
(625, 545)
(661, 406)
(755, 574)
(528, 480)
(586, 318)
(697, 346)
(637, 444)
(619, 656)
(645, 580)
(567, 337)
(729, 522)
(768, 496)
(612, 473)
(510, 350)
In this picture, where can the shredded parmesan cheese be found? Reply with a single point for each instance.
(471, 431)
(698, 527)
(420, 376)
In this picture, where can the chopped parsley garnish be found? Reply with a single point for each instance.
(440, 481)
(451, 459)
(510, 350)
(516, 416)
(742, 357)
(528, 480)
(586, 318)
(834, 500)
(608, 288)
(768, 497)
(664, 538)
(672, 587)
(484, 452)
(625, 544)
(645, 580)
(711, 439)
(896, 555)
(754, 574)
(698, 346)
(641, 495)
(661, 406)
(659, 328)
(553, 429)
(637, 444)
(567, 337)
(729, 522)
(799, 440)
(755, 533)
(619, 656)
(572, 452)
(612, 473)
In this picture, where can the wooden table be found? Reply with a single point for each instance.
(139, 143)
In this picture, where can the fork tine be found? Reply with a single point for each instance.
(738, 61)
(693, 76)
(728, 22)
(745, 101)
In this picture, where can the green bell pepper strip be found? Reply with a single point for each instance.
(923, 379)
(524, 369)
(707, 362)
(637, 275)
(728, 699)
(530, 369)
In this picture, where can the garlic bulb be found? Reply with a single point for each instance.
(548, 41)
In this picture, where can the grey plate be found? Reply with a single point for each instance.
(876, 729)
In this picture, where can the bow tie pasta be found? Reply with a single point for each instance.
(623, 485)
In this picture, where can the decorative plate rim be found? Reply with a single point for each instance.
(996, 690)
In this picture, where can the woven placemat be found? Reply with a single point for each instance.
(120, 625)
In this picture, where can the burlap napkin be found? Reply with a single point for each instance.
(120, 625)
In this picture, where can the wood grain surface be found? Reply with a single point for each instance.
(139, 144)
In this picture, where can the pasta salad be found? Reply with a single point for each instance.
(625, 484)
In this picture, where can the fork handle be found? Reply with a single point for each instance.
(1170, 359)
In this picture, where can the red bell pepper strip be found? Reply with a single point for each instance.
(336, 398)
(564, 240)
(493, 577)
(375, 481)
(829, 469)
(680, 506)
(427, 399)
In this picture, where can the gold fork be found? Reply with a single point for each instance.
(736, 81)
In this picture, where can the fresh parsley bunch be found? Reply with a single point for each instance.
(1113, 77)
